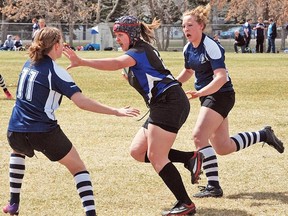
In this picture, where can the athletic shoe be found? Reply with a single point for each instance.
(180, 209)
(194, 165)
(209, 191)
(11, 209)
(272, 140)
(8, 94)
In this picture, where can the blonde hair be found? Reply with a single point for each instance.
(200, 13)
(147, 30)
(43, 43)
(41, 20)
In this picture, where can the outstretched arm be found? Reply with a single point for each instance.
(91, 105)
(101, 64)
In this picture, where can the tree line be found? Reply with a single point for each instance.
(92, 12)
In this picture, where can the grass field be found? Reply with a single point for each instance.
(254, 180)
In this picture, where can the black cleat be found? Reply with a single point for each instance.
(209, 191)
(194, 165)
(180, 209)
(272, 140)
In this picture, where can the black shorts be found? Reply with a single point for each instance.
(53, 144)
(221, 102)
(169, 110)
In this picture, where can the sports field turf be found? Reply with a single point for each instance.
(254, 180)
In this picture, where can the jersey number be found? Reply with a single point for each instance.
(31, 74)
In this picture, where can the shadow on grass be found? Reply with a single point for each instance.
(220, 212)
(277, 196)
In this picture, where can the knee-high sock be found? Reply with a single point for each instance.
(210, 166)
(85, 191)
(2, 83)
(173, 180)
(16, 175)
(246, 139)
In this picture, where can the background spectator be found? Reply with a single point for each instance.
(260, 27)
(35, 26)
(18, 45)
(8, 44)
(271, 35)
(41, 24)
(216, 38)
(247, 32)
(239, 41)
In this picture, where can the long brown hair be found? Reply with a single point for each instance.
(43, 43)
(147, 30)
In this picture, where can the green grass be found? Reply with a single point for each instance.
(254, 180)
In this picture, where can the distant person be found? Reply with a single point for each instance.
(5, 89)
(239, 41)
(259, 34)
(18, 44)
(247, 32)
(8, 44)
(41, 24)
(35, 26)
(216, 38)
(271, 35)
(33, 125)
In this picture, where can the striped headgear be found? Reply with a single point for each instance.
(130, 25)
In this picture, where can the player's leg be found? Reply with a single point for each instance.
(4, 87)
(56, 146)
(191, 160)
(21, 147)
(223, 144)
(82, 179)
(159, 143)
(16, 175)
(139, 146)
(207, 123)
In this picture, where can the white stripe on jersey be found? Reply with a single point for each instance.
(212, 48)
(62, 73)
(52, 102)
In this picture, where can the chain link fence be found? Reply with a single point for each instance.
(170, 37)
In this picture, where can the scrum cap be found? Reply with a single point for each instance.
(130, 25)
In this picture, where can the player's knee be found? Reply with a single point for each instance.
(198, 141)
(136, 154)
(221, 151)
(153, 158)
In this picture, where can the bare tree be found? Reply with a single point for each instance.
(54, 12)
(169, 13)
(112, 11)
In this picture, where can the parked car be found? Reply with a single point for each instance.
(230, 32)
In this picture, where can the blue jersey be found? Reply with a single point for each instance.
(39, 94)
(247, 26)
(204, 59)
(149, 76)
